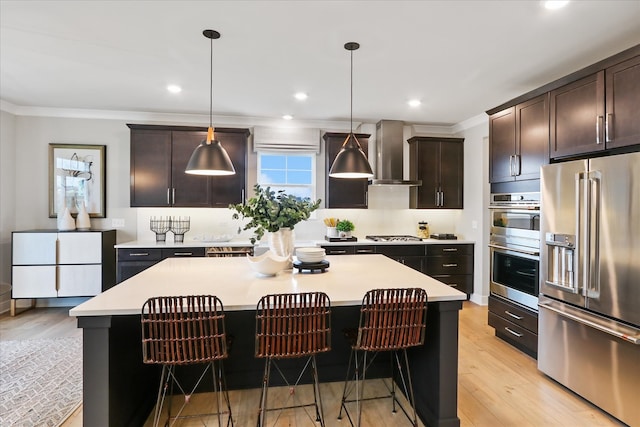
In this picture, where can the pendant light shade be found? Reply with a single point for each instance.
(210, 157)
(351, 162)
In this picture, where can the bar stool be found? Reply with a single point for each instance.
(292, 326)
(186, 330)
(391, 320)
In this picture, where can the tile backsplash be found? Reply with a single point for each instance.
(388, 213)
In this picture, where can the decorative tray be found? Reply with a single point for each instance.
(311, 266)
(341, 239)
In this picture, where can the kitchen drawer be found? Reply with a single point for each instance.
(182, 252)
(520, 316)
(449, 249)
(139, 254)
(339, 250)
(462, 282)
(516, 335)
(364, 249)
(400, 250)
(449, 264)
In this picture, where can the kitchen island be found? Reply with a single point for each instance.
(120, 390)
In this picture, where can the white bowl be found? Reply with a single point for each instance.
(310, 255)
(268, 264)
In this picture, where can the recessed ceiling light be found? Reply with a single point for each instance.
(555, 4)
(174, 88)
(414, 103)
(287, 117)
(301, 96)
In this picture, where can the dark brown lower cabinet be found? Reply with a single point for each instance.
(132, 261)
(515, 324)
(451, 264)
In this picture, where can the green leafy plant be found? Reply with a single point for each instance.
(345, 225)
(270, 211)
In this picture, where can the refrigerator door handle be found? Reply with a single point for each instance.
(595, 197)
(632, 338)
(582, 236)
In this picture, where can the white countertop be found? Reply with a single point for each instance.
(346, 281)
(299, 243)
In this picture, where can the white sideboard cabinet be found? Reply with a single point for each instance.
(51, 263)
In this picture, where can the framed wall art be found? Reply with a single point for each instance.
(77, 175)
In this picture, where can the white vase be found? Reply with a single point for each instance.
(65, 220)
(281, 242)
(82, 219)
(332, 232)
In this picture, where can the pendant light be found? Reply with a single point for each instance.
(210, 157)
(351, 162)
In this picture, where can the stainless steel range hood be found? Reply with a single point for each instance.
(389, 143)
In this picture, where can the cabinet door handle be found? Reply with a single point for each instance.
(437, 198)
(441, 198)
(173, 195)
(449, 249)
(168, 196)
(242, 196)
(453, 285)
(598, 121)
(516, 165)
(515, 316)
(511, 165)
(182, 253)
(449, 265)
(364, 251)
(512, 332)
(338, 252)
(607, 127)
(139, 254)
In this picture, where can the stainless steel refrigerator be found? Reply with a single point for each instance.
(589, 305)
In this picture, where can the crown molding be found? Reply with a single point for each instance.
(220, 120)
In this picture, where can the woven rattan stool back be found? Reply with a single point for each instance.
(181, 330)
(392, 319)
(293, 325)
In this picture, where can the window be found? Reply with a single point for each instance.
(293, 173)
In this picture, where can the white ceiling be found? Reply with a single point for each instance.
(459, 58)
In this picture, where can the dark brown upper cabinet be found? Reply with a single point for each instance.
(344, 192)
(439, 163)
(159, 156)
(577, 117)
(519, 141)
(597, 112)
(622, 91)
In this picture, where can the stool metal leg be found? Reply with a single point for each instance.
(410, 396)
(263, 393)
(317, 397)
(162, 389)
(346, 384)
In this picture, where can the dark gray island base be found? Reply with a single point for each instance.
(119, 390)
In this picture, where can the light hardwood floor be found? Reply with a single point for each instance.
(498, 385)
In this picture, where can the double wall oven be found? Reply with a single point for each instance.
(515, 247)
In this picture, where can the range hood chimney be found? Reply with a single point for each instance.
(389, 148)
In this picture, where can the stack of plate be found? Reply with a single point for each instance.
(310, 255)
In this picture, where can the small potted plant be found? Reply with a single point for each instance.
(344, 227)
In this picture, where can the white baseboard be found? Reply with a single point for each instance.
(479, 299)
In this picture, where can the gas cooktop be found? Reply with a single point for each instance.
(397, 238)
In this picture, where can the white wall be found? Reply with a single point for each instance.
(474, 222)
(24, 196)
(7, 198)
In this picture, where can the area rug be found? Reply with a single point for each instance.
(40, 381)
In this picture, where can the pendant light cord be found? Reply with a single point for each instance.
(211, 84)
(351, 98)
